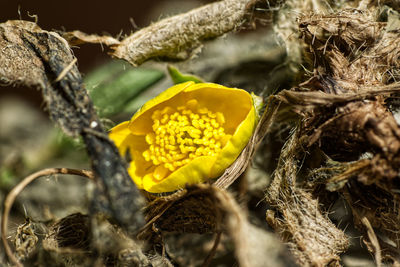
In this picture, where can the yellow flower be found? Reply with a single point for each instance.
(188, 134)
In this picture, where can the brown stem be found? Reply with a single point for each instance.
(213, 250)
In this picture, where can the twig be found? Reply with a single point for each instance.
(374, 241)
(213, 250)
(9, 201)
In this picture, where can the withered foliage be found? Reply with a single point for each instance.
(343, 144)
(349, 133)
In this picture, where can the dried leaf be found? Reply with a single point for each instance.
(78, 37)
(180, 36)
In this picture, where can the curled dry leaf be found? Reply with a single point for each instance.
(179, 36)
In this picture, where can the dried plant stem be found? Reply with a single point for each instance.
(374, 241)
(213, 250)
(9, 201)
(176, 37)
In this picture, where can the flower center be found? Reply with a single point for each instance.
(183, 134)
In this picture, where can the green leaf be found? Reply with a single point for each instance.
(6, 177)
(115, 84)
(178, 77)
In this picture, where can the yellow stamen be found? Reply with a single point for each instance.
(220, 118)
(182, 134)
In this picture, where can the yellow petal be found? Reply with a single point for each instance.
(136, 145)
(196, 171)
(235, 145)
(233, 103)
(119, 133)
(138, 180)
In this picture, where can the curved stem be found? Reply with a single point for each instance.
(9, 201)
